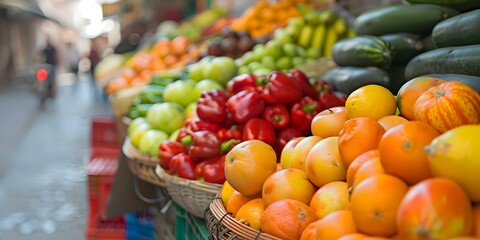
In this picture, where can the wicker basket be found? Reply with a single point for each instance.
(193, 196)
(221, 225)
(141, 165)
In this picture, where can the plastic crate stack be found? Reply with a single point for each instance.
(101, 165)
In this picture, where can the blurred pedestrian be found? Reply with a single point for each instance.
(50, 57)
(94, 58)
(73, 58)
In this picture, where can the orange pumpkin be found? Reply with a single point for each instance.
(448, 105)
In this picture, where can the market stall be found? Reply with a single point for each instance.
(300, 120)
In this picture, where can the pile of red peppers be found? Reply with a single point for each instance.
(273, 108)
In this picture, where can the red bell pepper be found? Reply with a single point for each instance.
(322, 86)
(277, 115)
(257, 128)
(211, 106)
(167, 150)
(226, 134)
(244, 81)
(198, 167)
(245, 105)
(281, 89)
(329, 100)
(202, 145)
(302, 113)
(195, 125)
(285, 135)
(302, 80)
(182, 164)
(214, 171)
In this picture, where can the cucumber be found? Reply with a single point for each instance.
(417, 18)
(404, 46)
(349, 79)
(472, 81)
(362, 51)
(460, 30)
(460, 5)
(458, 60)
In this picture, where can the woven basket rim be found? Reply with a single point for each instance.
(225, 219)
(213, 188)
(133, 153)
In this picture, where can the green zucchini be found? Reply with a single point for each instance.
(404, 46)
(417, 18)
(349, 79)
(362, 51)
(458, 60)
(472, 81)
(428, 43)
(460, 30)
(460, 5)
(397, 78)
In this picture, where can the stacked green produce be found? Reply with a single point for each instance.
(388, 39)
(304, 39)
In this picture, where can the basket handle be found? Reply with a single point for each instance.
(141, 196)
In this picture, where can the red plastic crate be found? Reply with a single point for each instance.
(101, 165)
(103, 132)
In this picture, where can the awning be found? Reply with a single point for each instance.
(15, 8)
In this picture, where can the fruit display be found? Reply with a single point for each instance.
(230, 43)
(377, 176)
(165, 54)
(303, 40)
(264, 17)
(274, 108)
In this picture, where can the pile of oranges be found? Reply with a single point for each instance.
(263, 18)
(366, 173)
(166, 54)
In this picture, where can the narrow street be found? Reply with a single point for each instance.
(42, 151)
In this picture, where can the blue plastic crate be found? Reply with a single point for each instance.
(140, 225)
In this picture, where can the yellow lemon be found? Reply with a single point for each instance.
(455, 155)
(372, 101)
(226, 192)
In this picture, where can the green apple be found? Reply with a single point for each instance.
(204, 85)
(150, 141)
(314, 53)
(298, 61)
(247, 58)
(268, 62)
(137, 133)
(167, 116)
(296, 22)
(312, 18)
(262, 71)
(181, 92)
(220, 69)
(174, 135)
(300, 51)
(243, 69)
(284, 37)
(290, 49)
(134, 123)
(195, 71)
(274, 50)
(192, 107)
(254, 66)
(284, 63)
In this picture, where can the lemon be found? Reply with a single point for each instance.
(372, 101)
(226, 192)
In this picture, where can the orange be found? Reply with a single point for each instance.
(358, 136)
(248, 165)
(286, 219)
(236, 201)
(335, 225)
(288, 150)
(331, 197)
(375, 203)
(300, 152)
(372, 101)
(463, 238)
(391, 121)
(370, 168)
(251, 212)
(309, 232)
(329, 122)
(353, 236)
(226, 192)
(402, 154)
(358, 162)
(323, 163)
(288, 183)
